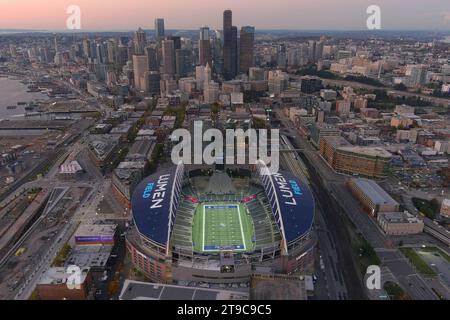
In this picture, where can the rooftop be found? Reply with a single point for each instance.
(59, 275)
(89, 256)
(96, 230)
(134, 290)
(369, 151)
(373, 190)
(337, 141)
(398, 217)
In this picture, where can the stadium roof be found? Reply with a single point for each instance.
(296, 204)
(151, 205)
(291, 201)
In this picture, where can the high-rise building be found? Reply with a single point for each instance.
(122, 55)
(140, 67)
(281, 56)
(229, 46)
(139, 42)
(111, 51)
(417, 74)
(182, 62)
(207, 76)
(234, 51)
(277, 81)
(101, 53)
(217, 51)
(319, 50)
(93, 50)
(87, 48)
(204, 45)
(176, 41)
(246, 55)
(211, 92)
(200, 76)
(159, 29)
(56, 43)
(255, 74)
(312, 50)
(168, 55)
(153, 79)
(152, 56)
(310, 84)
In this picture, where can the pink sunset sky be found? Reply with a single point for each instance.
(191, 14)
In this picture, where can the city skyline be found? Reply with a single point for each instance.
(284, 14)
(164, 150)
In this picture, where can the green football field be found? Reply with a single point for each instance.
(222, 226)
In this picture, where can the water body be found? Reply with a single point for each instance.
(13, 91)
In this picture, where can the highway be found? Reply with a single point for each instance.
(343, 83)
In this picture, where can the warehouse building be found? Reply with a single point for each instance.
(372, 197)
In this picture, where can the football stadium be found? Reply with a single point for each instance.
(220, 226)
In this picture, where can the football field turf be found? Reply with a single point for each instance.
(222, 226)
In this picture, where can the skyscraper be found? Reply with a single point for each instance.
(140, 67)
(204, 47)
(246, 56)
(122, 55)
(312, 50)
(176, 41)
(86, 48)
(139, 41)
(152, 56)
(217, 51)
(111, 51)
(101, 53)
(182, 62)
(56, 43)
(159, 29)
(319, 50)
(168, 54)
(281, 56)
(229, 46)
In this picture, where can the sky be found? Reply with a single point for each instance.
(191, 14)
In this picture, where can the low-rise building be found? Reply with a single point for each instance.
(95, 234)
(103, 148)
(125, 179)
(372, 197)
(445, 208)
(135, 290)
(399, 223)
(346, 158)
(60, 284)
(328, 94)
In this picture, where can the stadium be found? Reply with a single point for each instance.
(216, 226)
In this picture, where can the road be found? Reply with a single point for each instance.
(46, 260)
(333, 274)
(342, 83)
(331, 183)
